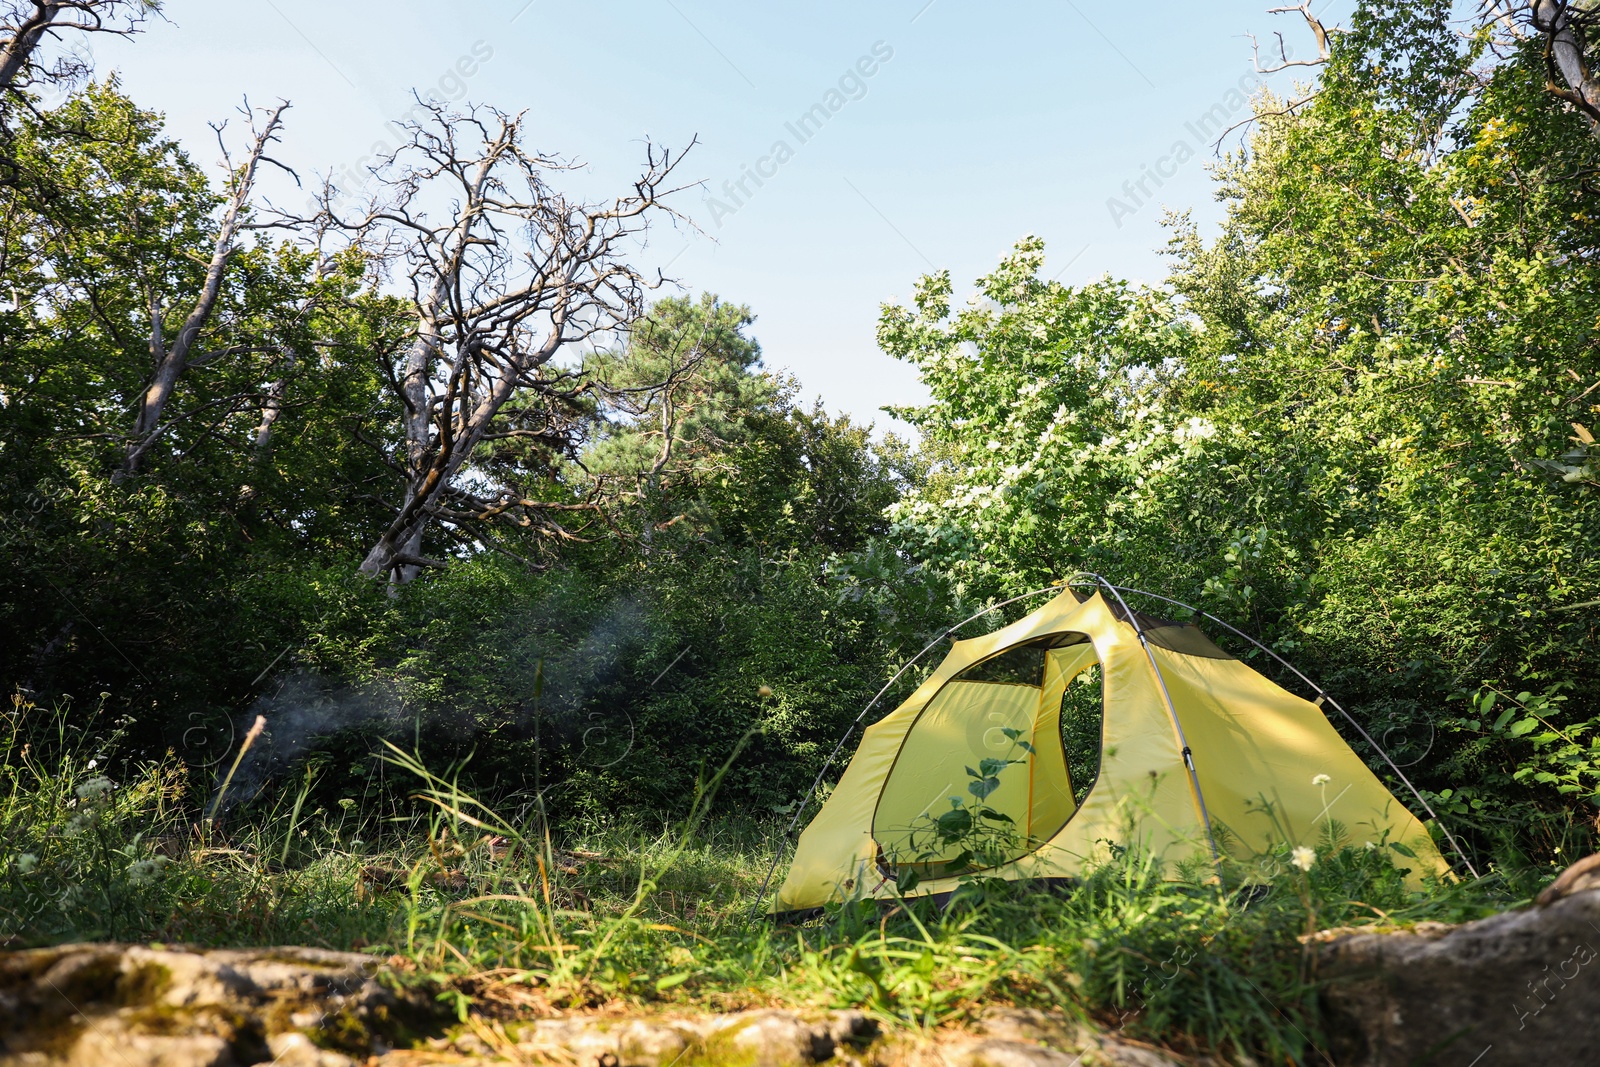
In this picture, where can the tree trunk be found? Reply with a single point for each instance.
(18, 50)
(170, 363)
(1564, 46)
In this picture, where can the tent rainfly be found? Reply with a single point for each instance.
(1198, 755)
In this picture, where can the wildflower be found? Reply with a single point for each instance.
(95, 787)
(143, 872)
(1303, 857)
(93, 764)
(346, 803)
(764, 691)
(26, 863)
(1321, 779)
(1372, 846)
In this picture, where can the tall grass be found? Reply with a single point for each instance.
(494, 908)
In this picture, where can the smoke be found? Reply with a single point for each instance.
(564, 682)
(302, 716)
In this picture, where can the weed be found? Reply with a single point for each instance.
(489, 908)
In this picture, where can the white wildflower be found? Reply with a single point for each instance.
(98, 786)
(143, 872)
(1303, 857)
(1372, 846)
(1321, 779)
(26, 863)
(93, 764)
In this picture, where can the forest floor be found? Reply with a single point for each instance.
(495, 918)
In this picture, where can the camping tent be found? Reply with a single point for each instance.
(1198, 755)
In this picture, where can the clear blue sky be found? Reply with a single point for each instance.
(989, 121)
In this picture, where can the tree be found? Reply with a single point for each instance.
(1562, 29)
(25, 24)
(505, 274)
(170, 361)
(677, 393)
(1356, 421)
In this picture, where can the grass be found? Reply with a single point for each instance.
(494, 910)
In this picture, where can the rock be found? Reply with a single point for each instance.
(765, 1038)
(996, 1052)
(153, 1006)
(133, 1004)
(1585, 874)
(1027, 1037)
(96, 1049)
(1522, 984)
(297, 1050)
(770, 1039)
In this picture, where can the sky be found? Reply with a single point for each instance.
(946, 130)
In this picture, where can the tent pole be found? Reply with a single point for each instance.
(1183, 743)
(783, 842)
(1322, 695)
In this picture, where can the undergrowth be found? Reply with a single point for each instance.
(484, 904)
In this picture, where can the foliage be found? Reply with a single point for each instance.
(96, 847)
(1336, 428)
(971, 836)
(222, 576)
(488, 904)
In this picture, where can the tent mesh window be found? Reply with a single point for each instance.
(1082, 722)
(1023, 665)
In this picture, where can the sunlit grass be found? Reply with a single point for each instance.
(493, 909)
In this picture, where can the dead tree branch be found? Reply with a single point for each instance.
(25, 24)
(170, 361)
(1284, 62)
(505, 273)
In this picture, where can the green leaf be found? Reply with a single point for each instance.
(994, 816)
(907, 879)
(1523, 726)
(1404, 850)
(672, 981)
(982, 788)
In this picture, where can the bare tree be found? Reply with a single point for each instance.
(26, 24)
(169, 361)
(505, 274)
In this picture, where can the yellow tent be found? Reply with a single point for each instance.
(1198, 755)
